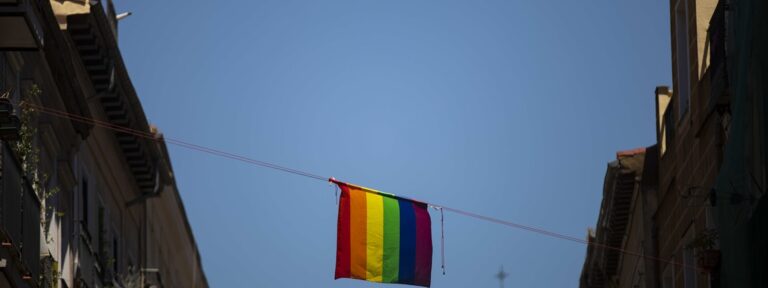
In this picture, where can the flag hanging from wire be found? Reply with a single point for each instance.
(383, 238)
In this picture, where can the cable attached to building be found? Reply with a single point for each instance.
(220, 153)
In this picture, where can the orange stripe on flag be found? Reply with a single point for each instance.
(358, 231)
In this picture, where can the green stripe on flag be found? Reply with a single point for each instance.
(391, 240)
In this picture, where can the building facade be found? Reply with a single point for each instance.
(87, 192)
(740, 34)
(690, 137)
(624, 222)
(707, 220)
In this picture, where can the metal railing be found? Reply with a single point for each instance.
(19, 213)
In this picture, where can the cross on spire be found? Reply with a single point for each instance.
(501, 276)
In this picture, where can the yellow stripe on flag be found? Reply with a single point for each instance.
(358, 232)
(375, 237)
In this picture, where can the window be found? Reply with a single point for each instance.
(689, 262)
(668, 280)
(101, 231)
(2, 72)
(683, 87)
(115, 258)
(84, 200)
(689, 275)
(85, 209)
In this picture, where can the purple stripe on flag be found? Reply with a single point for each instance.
(423, 273)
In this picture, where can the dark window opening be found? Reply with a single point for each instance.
(85, 202)
(114, 255)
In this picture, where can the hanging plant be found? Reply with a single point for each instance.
(25, 148)
(708, 257)
(28, 152)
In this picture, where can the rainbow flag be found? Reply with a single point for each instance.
(383, 238)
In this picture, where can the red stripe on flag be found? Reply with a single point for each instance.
(343, 254)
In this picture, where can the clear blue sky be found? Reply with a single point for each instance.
(510, 109)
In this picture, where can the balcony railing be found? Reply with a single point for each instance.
(19, 214)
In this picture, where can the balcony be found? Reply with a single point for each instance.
(95, 41)
(21, 27)
(19, 220)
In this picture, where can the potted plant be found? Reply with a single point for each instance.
(708, 257)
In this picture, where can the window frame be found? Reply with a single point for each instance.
(668, 277)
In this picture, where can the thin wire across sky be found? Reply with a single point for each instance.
(232, 156)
